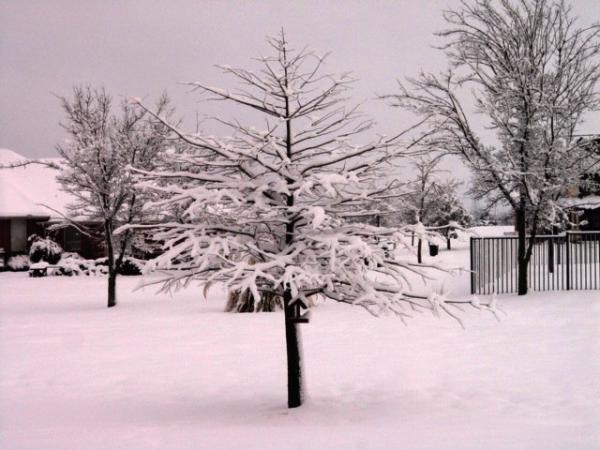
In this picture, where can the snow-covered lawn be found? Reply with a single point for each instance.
(177, 373)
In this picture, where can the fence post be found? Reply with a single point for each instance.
(551, 254)
(568, 259)
(472, 265)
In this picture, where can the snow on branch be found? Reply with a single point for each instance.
(274, 210)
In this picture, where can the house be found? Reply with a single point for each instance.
(30, 201)
(585, 198)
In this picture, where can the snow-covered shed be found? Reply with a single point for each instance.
(30, 200)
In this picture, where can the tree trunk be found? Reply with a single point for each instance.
(420, 251)
(112, 270)
(521, 251)
(292, 333)
(448, 244)
(294, 355)
(292, 338)
(112, 288)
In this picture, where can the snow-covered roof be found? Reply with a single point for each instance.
(587, 202)
(493, 231)
(29, 191)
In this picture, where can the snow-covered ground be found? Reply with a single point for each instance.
(178, 373)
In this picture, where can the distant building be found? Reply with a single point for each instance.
(585, 198)
(30, 201)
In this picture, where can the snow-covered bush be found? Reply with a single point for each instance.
(18, 263)
(74, 264)
(45, 249)
(129, 265)
(70, 264)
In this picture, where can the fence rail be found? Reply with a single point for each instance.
(569, 261)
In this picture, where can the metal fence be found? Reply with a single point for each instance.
(569, 261)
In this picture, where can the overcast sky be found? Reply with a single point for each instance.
(141, 48)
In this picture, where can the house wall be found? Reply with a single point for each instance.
(18, 235)
(4, 238)
(14, 234)
(71, 240)
(592, 216)
(92, 248)
(35, 226)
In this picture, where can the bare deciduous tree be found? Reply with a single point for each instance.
(423, 194)
(533, 74)
(95, 167)
(448, 212)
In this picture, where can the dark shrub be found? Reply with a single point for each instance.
(129, 266)
(45, 250)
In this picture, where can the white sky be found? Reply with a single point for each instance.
(141, 48)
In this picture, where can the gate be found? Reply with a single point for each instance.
(569, 261)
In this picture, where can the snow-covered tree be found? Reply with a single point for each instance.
(533, 74)
(95, 169)
(269, 209)
(423, 196)
(434, 202)
(447, 210)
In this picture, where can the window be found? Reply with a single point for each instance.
(72, 239)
